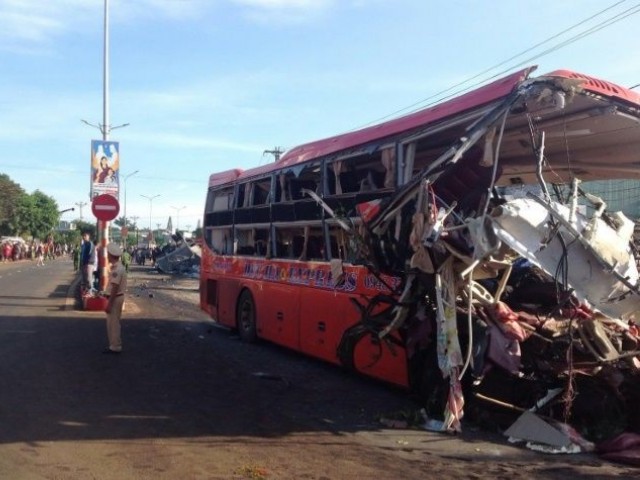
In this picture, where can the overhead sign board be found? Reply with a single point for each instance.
(105, 207)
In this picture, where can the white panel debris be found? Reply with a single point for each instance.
(598, 260)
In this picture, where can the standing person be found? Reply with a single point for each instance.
(76, 257)
(117, 287)
(87, 257)
(126, 260)
(95, 272)
(40, 256)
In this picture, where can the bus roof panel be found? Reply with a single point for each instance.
(468, 101)
(327, 146)
(253, 172)
(601, 87)
(224, 177)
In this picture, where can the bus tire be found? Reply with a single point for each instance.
(246, 318)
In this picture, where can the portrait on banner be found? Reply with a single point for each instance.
(105, 168)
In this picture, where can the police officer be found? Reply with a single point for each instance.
(117, 288)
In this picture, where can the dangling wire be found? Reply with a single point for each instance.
(496, 156)
(467, 360)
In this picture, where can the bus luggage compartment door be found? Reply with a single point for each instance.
(278, 313)
(322, 320)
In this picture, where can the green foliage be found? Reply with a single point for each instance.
(120, 223)
(44, 216)
(70, 237)
(10, 195)
(82, 226)
(23, 214)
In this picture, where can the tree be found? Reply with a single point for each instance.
(70, 237)
(23, 218)
(44, 216)
(10, 195)
(120, 223)
(83, 226)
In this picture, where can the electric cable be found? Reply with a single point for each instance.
(606, 23)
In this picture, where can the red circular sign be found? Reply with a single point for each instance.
(105, 207)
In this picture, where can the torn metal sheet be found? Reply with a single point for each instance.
(182, 259)
(532, 428)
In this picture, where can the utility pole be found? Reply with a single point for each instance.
(276, 152)
(150, 198)
(103, 227)
(177, 209)
(125, 226)
(80, 205)
(105, 128)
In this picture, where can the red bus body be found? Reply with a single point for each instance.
(300, 308)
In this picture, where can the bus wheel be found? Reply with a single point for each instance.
(246, 317)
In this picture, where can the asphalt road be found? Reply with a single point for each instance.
(188, 400)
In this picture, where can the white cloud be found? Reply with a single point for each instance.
(286, 12)
(173, 9)
(33, 28)
(29, 26)
(279, 4)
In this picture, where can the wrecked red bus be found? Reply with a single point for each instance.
(404, 251)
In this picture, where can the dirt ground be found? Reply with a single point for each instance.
(339, 418)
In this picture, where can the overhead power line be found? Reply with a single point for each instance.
(603, 24)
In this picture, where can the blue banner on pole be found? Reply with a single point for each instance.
(105, 168)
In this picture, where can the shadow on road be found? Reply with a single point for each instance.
(175, 379)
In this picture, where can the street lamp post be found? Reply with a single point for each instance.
(177, 209)
(105, 128)
(80, 205)
(124, 239)
(150, 198)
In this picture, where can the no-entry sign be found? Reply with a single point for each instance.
(105, 207)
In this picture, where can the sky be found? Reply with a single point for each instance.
(209, 85)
